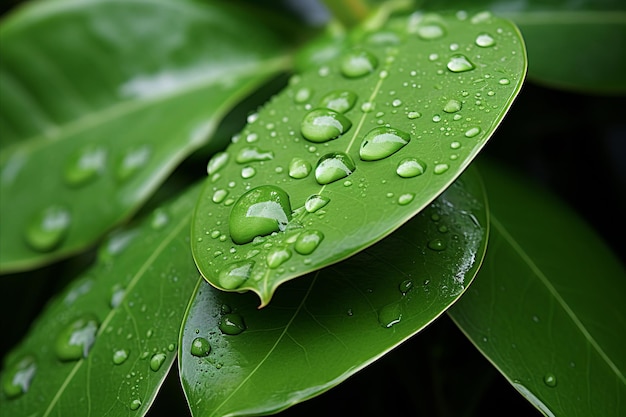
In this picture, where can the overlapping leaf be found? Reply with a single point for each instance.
(353, 149)
(101, 100)
(104, 346)
(238, 360)
(547, 308)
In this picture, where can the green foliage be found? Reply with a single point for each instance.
(351, 189)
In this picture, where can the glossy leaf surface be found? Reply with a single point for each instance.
(571, 45)
(131, 304)
(101, 100)
(353, 149)
(323, 328)
(547, 306)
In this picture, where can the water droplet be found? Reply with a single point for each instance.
(340, 101)
(120, 356)
(232, 324)
(277, 256)
(315, 202)
(367, 107)
(75, 340)
(333, 166)
(396, 103)
(219, 196)
(414, 115)
(410, 167)
(405, 199)
(358, 63)
(485, 40)
(16, 379)
(382, 142)
(308, 241)
(135, 404)
(460, 63)
(441, 168)
(303, 95)
(85, 165)
(481, 17)
(299, 168)
(159, 219)
(259, 212)
(405, 286)
(157, 361)
(504, 81)
(253, 154)
(550, 380)
(131, 162)
(474, 131)
(437, 245)
(48, 228)
(200, 347)
(430, 31)
(322, 125)
(390, 315)
(452, 106)
(235, 274)
(247, 172)
(455, 145)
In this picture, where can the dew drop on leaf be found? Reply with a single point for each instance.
(430, 31)
(333, 166)
(200, 347)
(232, 324)
(472, 132)
(340, 101)
(259, 212)
(504, 81)
(235, 274)
(253, 154)
(358, 63)
(390, 315)
(16, 379)
(441, 168)
(405, 286)
(159, 219)
(452, 106)
(277, 256)
(247, 172)
(460, 63)
(131, 162)
(485, 40)
(135, 404)
(410, 167)
(405, 199)
(75, 340)
(315, 202)
(308, 241)
(437, 245)
(322, 125)
(117, 295)
(381, 142)
(85, 165)
(299, 168)
(217, 162)
(48, 228)
(219, 195)
(156, 361)
(550, 380)
(302, 95)
(414, 115)
(120, 356)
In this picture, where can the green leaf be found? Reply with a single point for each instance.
(547, 306)
(106, 343)
(571, 45)
(100, 102)
(323, 328)
(288, 196)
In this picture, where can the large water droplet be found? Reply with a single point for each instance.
(390, 315)
(235, 274)
(315, 202)
(135, 404)
(75, 341)
(340, 101)
(485, 40)
(460, 63)
(322, 125)
(219, 195)
(259, 212)
(120, 356)
(452, 106)
(16, 379)
(382, 142)
(85, 165)
(358, 63)
(253, 154)
(277, 256)
(157, 361)
(299, 168)
(48, 228)
(410, 167)
(308, 241)
(333, 166)
(131, 162)
(200, 347)
(232, 324)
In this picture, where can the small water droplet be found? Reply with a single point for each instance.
(75, 340)
(481, 17)
(441, 168)
(381, 142)
(135, 404)
(414, 115)
(48, 228)
(472, 132)
(396, 103)
(131, 162)
(308, 241)
(85, 165)
(430, 31)
(436, 118)
(259, 212)
(299, 168)
(358, 63)
(550, 380)
(437, 245)
(452, 106)
(247, 172)
(159, 219)
(253, 154)
(219, 196)
(405, 286)
(485, 40)
(340, 101)
(367, 107)
(16, 379)
(322, 125)
(410, 167)
(504, 81)
(460, 63)
(390, 315)
(455, 145)
(232, 324)
(405, 199)
(157, 361)
(303, 95)
(217, 162)
(171, 347)
(277, 256)
(332, 167)
(120, 356)
(315, 202)
(235, 274)
(200, 347)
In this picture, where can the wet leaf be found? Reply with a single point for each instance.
(323, 328)
(353, 149)
(100, 102)
(106, 343)
(547, 305)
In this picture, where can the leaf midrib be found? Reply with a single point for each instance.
(555, 294)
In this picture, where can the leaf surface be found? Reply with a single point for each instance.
(126, 311)
(353, 149)
(100, 102)
(323, 328)
(547, 306)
